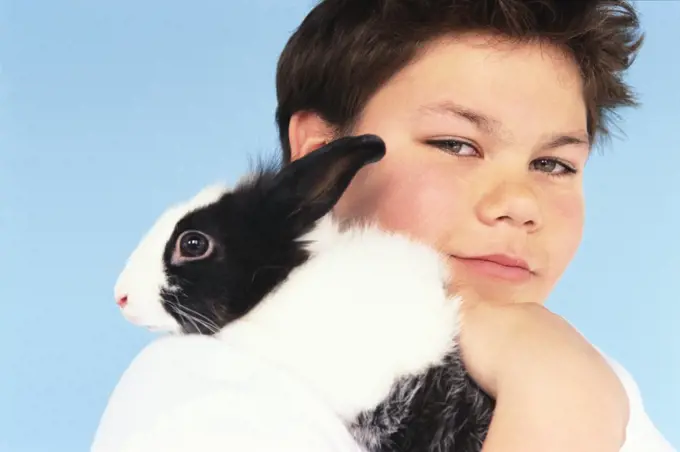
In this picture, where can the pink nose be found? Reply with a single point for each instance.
(122, 301)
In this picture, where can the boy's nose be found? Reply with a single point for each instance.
(511, 203)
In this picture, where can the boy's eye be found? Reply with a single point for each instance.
(553, 167)
(456, 147)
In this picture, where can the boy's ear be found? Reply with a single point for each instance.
(311, 185)
(307, 131)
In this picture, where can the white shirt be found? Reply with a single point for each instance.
(195, 393)
(641, 434)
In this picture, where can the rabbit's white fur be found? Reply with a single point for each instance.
(367, 308)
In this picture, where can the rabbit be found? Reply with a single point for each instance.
(359, 314)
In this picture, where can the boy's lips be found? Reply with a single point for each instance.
(497, 266)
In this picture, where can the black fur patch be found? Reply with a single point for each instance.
(442, 410)
(255, 250)
(256, 230)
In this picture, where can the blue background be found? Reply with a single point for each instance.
(111, 111)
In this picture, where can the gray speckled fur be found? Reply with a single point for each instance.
(441, 410)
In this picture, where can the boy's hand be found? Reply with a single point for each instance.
(554, 391)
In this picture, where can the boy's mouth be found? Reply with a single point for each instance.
(497, 266)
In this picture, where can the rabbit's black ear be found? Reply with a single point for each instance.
(313, 184)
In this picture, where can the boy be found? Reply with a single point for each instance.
(489, 110)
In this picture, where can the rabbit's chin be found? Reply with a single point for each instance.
(150, 316)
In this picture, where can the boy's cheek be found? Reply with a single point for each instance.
(567, 212)
(408, 195)
(563, 232)
(424, 202)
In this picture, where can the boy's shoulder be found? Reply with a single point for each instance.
(641, 434)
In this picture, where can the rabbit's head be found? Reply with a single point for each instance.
(210, 260)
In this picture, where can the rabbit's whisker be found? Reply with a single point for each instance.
(195, 313)
(186, 313)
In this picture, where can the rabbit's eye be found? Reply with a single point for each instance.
(194, 245)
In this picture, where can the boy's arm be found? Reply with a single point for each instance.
(554, 391)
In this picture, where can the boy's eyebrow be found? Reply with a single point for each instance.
(577, 138)
(492, 126)
(479, 120)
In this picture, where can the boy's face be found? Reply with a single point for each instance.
(481, 143)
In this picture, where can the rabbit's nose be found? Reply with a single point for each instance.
(122, 301)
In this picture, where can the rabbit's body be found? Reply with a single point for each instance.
(361, 315)
(367, 324)
(366, 307)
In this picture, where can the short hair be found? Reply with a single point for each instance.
(345, 50)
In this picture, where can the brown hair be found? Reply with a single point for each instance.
(345, 50)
